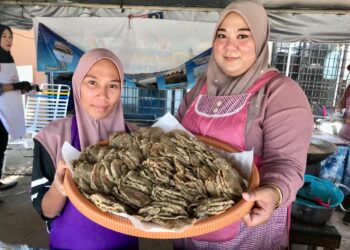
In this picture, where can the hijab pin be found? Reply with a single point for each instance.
(215, 80)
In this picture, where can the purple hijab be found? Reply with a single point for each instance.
(90, 130)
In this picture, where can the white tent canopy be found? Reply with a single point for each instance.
(143, 44)
(321, 21)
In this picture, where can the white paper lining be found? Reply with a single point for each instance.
(167, 123)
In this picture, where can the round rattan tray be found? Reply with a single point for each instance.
(203, 226)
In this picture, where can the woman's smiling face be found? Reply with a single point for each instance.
(234, 46)
(100, 90)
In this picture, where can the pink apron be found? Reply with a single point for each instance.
(224, 118)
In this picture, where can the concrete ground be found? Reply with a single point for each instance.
(21, 225)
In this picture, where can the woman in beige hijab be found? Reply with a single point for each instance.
(249, 105)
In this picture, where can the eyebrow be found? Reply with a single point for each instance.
(114, 80)
(86, 76)
(241, 29)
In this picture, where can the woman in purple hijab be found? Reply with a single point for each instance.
(97, 84)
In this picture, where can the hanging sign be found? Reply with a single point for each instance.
(54, 53)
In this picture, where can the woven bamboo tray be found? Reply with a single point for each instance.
(203, 226)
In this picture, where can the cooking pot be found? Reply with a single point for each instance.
(316, 200)
(313, 215)
(319, 150)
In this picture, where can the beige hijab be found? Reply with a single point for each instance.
(255, 16)
(90, 130)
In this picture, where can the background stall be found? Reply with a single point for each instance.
(309, 40)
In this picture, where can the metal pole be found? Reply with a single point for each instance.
(173, 102)
(289, 58)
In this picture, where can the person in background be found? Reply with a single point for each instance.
(244, 102)
(342, 109)
(346, 205)
(11, 106)
(97, 84)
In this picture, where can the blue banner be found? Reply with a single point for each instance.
(54, 53)
(196, 67)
